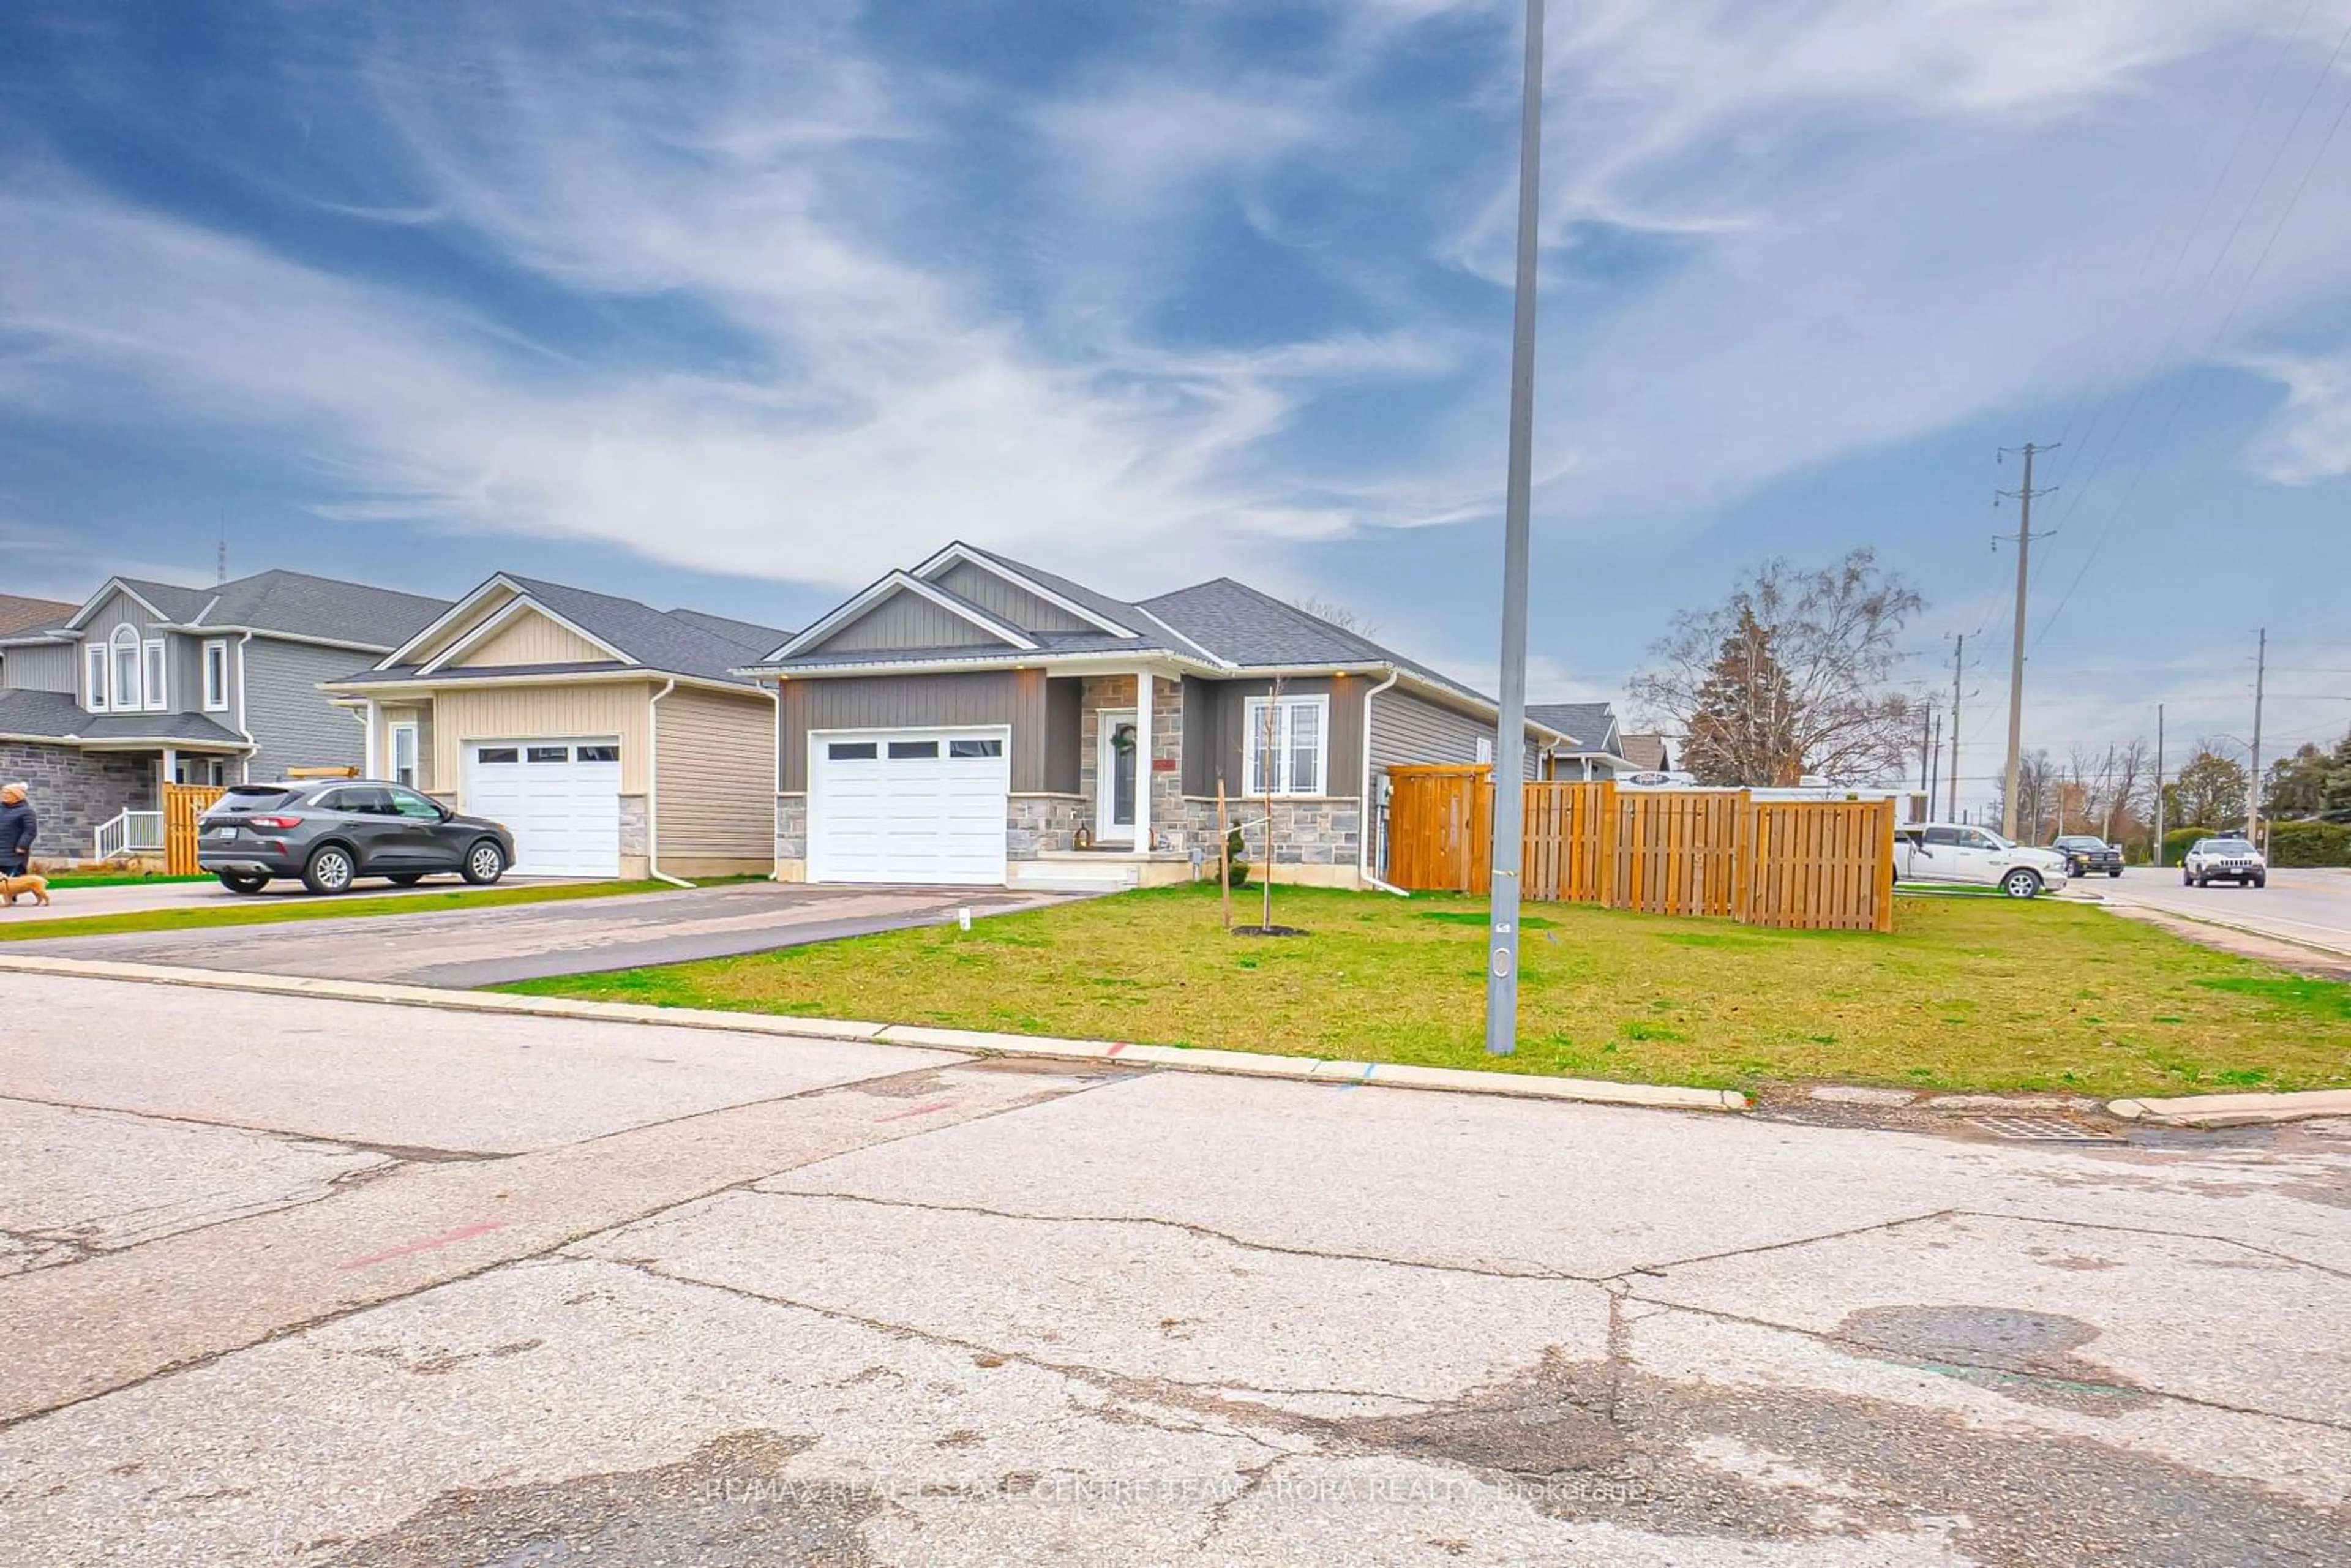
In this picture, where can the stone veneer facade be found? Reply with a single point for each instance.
(74, 792)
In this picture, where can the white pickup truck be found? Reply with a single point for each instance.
(1950, 852)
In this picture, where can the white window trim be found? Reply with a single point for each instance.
(415, 757)
(216, 650)
(117, 643)
(1253, 722)
(155, 661)
(97, 668)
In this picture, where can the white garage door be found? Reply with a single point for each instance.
(561, 800)
(908, 805)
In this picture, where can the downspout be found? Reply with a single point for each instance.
(246, 768)
(652, 788)
(1364, 815)
(776, 692)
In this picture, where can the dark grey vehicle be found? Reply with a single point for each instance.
(331, 831)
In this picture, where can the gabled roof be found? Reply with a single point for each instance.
(19, 613)
(54, 716)
(664, 642)
(1591, 726)
(1111, 615)
(284, 603)
(885, 588)
(1646, 751)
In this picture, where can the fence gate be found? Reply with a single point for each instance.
(1825, 865)
(183, 804)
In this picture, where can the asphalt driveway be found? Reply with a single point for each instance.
(464, 948)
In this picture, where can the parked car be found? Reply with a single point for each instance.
(1952, 852)
(330, 832)
(2086, 852)
(2224, 860)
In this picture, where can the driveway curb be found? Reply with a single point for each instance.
(1319, 1070)
(2235, 1110)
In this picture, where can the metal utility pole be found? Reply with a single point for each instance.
(2016, 657)
(2253, 784)
(1958, 652)
(2158, 856)
(1510, 723)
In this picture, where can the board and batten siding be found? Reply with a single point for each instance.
(449, 635)
(532, 639)
(715, 789)
(1216, 713)
(579, 710)
(53, 668)
(1065, 697)
(1017, 698)
(292, 722)
(1010, 601)
(906, 621)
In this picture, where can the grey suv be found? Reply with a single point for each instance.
(331, 831)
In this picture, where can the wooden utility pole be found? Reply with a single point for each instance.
(2253, 784)
(1958, 652)
(1224, 855)
(2158, 856)
(2016, 655)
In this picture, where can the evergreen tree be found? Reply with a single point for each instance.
(1742, 730)
(2335, 804)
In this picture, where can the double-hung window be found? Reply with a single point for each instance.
(94, 669)
(217, 677)
(1288, 745)
(152, 668)
(122, 686)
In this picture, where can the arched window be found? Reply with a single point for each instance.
(122, 691)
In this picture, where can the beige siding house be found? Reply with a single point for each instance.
(613, 738)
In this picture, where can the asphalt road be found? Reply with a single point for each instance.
(2308, 907)
(497, 944)
(288, 1281)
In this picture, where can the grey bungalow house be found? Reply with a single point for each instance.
(149, 682)
(976, 721)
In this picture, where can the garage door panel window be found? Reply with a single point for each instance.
(852, 751)
(597, 753)
(1288, 745)
(911, 750)
(549, 754)
(975, 748)
(496, 755)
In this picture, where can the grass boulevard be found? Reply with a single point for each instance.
(1967, 994)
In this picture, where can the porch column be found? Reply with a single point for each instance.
(1142, 760)
(171, 769)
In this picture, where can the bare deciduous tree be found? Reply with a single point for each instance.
(1338, 614)
(1832, 630)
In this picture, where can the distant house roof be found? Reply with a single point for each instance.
(661, 642)
(19, 613)
(280, 603)
(1591, 726)
(1647, 752)
(55, 717)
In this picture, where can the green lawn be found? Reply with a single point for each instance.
(265, 911)
(1966, 994)
(117, 879)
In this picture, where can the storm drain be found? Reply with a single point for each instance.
(2040, 1130)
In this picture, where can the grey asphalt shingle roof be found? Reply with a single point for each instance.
(296, 604)
(1586, 723)
(664, 642)
(54, 716)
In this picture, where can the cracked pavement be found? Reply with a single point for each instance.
(292, 1282)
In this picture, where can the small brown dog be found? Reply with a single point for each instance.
(38, 887)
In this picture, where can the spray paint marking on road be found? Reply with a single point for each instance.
(1114, 1050)
(463, 1233)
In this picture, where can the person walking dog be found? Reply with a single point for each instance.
(18, 823)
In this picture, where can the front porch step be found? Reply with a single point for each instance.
(1106, 874)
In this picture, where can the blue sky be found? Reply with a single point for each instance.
(738, 307)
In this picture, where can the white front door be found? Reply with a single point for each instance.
(1115, 761)
(560, 798)
(917, 806)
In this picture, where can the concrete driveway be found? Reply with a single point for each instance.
(288, 1281)
(501, 943)
(2312, 908)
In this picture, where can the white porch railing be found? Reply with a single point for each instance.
(129, 833)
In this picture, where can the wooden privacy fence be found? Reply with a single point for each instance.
(1823, 866)
(183, 804)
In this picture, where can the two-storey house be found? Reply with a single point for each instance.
(149, 682)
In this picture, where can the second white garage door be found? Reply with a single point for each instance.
(908, 805)
(561, 800)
